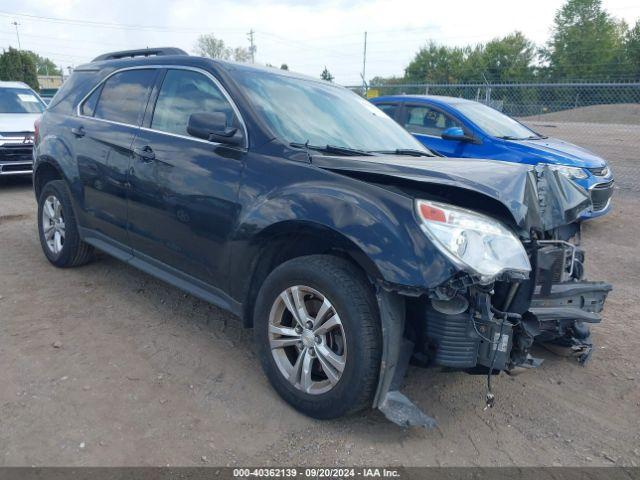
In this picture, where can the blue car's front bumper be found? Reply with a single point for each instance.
(601, 191)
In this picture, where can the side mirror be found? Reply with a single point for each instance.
(213, 127)
(457, 135)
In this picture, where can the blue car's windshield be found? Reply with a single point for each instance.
(19, 100)
(495, 123)
(300, 111)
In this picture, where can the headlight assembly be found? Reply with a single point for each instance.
(475, 242)
(571, 172)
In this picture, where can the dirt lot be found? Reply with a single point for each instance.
(146, 375)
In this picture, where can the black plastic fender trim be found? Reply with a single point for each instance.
(396, 352)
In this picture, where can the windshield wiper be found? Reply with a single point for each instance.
(508, 137)
(531, 137)
(405, 151)
(331, 149)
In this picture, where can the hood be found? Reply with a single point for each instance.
(17, 122)
(537, 197)
(559, 152)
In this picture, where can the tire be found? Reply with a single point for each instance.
(353, 336)
(55, 214)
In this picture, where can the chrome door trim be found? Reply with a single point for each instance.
(168, 67)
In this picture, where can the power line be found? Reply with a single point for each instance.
(92, 23)
(49, 39)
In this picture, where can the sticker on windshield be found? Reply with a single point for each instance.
(27, 97)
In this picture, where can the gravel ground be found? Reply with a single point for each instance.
(103, 365)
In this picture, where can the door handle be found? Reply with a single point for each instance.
(78, 131)
(146, 153)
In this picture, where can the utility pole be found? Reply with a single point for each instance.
(252, 48)
(17, 33)
(364, 66)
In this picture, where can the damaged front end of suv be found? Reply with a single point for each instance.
(509, 286)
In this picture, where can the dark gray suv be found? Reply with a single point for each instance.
(316, 219)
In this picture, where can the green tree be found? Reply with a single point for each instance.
(586, 42)
(284, 66)
(632, 50)
(240, 54)
(503, 59)
(437, 64)
(212, 47)
(326, 75)
(19, 66)
(44, 66)
(509, 59)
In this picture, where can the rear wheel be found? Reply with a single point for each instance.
(58, 228)
(318, 335)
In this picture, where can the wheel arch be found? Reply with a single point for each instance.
(46, 170)
(291, 239)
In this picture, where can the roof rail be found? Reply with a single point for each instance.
(142, 52)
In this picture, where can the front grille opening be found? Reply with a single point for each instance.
(16, 153)
(600, 195)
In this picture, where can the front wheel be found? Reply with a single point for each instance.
(318, 335)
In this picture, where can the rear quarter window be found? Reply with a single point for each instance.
(88, 107)
(73, 91)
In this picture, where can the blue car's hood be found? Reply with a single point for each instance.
(555, 151)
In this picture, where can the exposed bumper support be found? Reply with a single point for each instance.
(396, 352)
(561, 315)
(581, 301)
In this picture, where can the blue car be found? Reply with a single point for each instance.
(455, 127)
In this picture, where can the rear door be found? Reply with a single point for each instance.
(103, 134)
(184, 190)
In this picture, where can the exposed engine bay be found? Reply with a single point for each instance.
(495, 325)
(490, 328)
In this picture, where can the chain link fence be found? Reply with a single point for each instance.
(609, 103)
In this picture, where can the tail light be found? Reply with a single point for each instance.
(36, 131)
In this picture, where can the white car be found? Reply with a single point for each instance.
(20, 107)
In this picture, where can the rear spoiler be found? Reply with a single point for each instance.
(143, 52)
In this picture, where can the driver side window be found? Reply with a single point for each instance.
(184, 92)
(427, 121)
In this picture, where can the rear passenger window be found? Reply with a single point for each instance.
(185, 92)
(124, 96)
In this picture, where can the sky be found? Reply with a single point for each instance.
(305, 35)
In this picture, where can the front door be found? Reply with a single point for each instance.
(427, 124)
(184, 190)
(102, 136)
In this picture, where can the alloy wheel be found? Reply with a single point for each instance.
(53, 225)
(307, 339)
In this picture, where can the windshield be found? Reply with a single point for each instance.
(495, 123)
(301, 111)
(19, 100)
